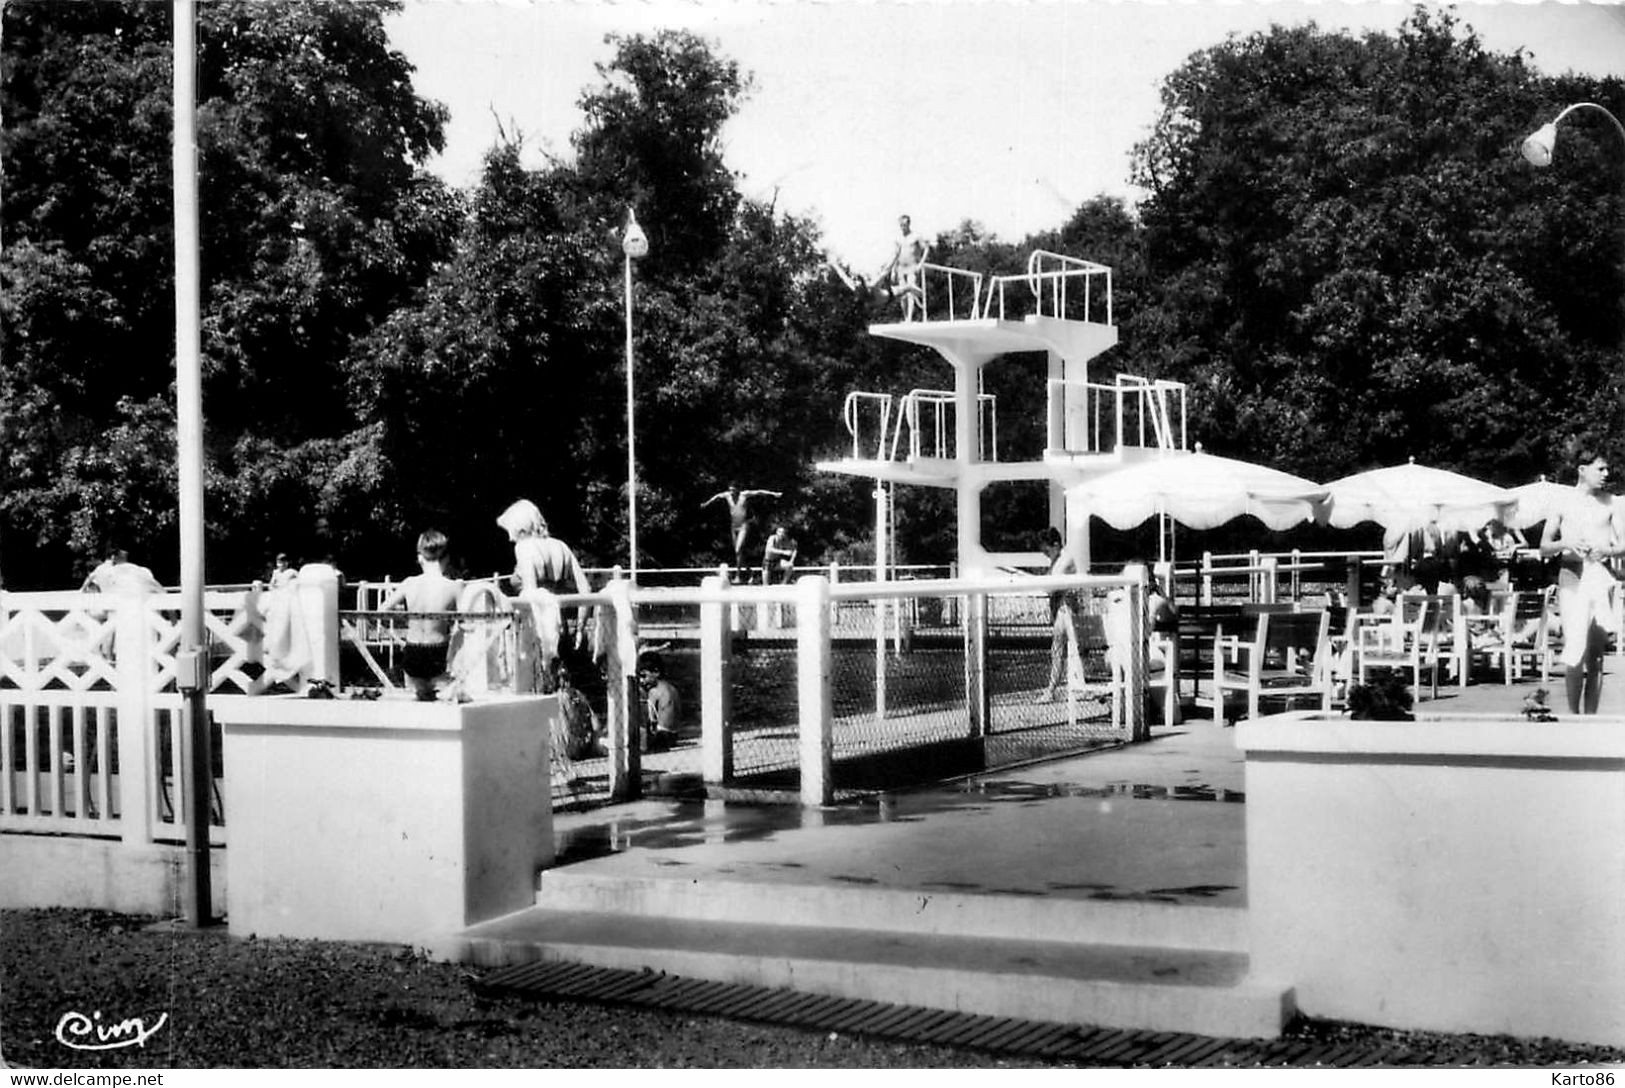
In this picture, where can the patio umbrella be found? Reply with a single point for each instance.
(1404, 498)
(1198, 490)
(1537, 501)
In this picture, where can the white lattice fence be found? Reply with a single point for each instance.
(235, 627)
(57, 640)
(90, 740)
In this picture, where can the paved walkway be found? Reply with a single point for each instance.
(1160, 821)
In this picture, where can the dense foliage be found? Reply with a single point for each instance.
(1341, 251)
(1353, 264)
(316, 224)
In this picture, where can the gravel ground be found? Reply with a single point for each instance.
(290, 1004)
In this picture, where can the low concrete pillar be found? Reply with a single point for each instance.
(386, 820)
(1464, 873)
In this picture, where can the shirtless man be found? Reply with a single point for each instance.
(904, 273)
(778, 557)
(428, 596)
(1584, 531)
(739, 519)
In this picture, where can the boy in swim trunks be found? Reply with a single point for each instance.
(429, 597)
(1584, 533)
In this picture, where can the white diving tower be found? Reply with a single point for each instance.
(1061, 306)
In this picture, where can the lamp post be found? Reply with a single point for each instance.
(1538, 147)
(1540, 144)
(635, 244)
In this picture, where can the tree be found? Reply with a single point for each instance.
(1353, 264)
(316, 218)
(505, 379)
(653, 140)
(479, 393)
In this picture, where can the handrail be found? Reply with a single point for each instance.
(952, 276)
(1149, 398)
(1022, 586)
(940, 399)
(849, 412)
(1054, 272)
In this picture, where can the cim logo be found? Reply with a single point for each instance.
(81, 1032)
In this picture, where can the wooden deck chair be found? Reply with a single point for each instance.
(1400, 642)
(1287, 655)
(1447, 645)
(1549, 635)
(1513, 635)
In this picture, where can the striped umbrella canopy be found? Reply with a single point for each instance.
(1404, 498)
(1198, 490)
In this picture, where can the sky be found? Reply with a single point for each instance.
(1007, 112)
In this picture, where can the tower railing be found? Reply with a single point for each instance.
(1099, 417)
(860, 405)
(1149, 400)
(1055, 286)
(953, 291)
(929, 416)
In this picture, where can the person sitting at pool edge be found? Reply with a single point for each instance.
(662, 704)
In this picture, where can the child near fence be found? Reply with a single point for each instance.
(428, 634)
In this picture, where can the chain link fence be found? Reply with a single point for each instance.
(916, 695)
(911, 682)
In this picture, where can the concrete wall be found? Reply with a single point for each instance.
(99, 874)
(1458, 875)
(389, 820)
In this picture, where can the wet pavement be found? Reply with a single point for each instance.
(1160, 821)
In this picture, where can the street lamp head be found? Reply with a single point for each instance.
(634, 242)
(1538, 147)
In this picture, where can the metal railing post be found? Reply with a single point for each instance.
(716, 689)
(137, 725)
(976, 687)
(814, 701)
(624, 710)
(1139, 726)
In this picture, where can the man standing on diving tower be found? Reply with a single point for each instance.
(905, 274)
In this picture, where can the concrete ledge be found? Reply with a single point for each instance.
(99, 874)
(388, 820)
(1456, 874)
(1500, 736)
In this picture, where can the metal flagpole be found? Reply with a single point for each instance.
(190, 660)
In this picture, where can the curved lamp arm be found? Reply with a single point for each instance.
(1539, 145)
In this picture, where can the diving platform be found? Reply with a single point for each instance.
(987, 338)
(1060, 307)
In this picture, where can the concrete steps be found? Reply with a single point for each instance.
(930, 912)
(1117, 964)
